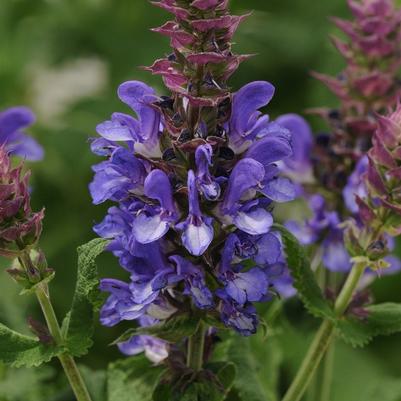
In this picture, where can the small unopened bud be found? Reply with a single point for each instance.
(377, 250)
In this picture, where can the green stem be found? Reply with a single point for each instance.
(347, 291)
(196, 348)
(327, 373)
(67, 361)
(323, 337)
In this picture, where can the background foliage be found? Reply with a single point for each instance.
(65, 59)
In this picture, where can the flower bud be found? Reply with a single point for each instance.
(19, 226)
(384, 174)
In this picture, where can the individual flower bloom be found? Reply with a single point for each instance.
(118, 177)
(153, 221)
(195, 284)
(273, 148)
(263, 249)
(115, 224)
(241, 318)
(324, 227)
(299, 165)
(246, 122)
(145, 290)
(335, 255)
(247, 215)
(13, 121)
(120, 305)
(208, 186)
(197, 228)
(141, 134)
(140, 97)
(245, 286)
(282, 282)
(155, 350)
(356, 187)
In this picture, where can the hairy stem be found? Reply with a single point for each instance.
(196, 348)
(323, 337)
(67, 361)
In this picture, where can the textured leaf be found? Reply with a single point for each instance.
(248, 383)
(79, 323)
(304, 278)
(383, 319)
(132, 379)
(19, 350)
(173, 330)
(226, 373)
(96, 382)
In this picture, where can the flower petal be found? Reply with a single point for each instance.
(147, 229)
(256, 221)
(279, 189)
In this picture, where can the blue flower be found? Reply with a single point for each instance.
(153, 221)
(241, 318)
(247, 122)
(13, 121)
(117, 177)
(185, 203)
(197, 229)
(194, 279)
(209, 187)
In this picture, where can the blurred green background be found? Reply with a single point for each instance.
(65, 59)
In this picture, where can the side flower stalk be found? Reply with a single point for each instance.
(20, 230)
(354, 167)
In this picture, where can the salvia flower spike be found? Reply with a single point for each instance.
(194, 178)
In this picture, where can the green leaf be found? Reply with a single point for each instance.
(19, 350)
(248, 383)
(132, 379)
(226, 373)
(382, 319)
(96, 381)
(304, 278)
(172, 330)
(79, 323)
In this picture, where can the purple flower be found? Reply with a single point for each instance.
(117, 177)
(144, 132)
(13, 121)
(247, 214)
(197, 229)
(209, 187)
(356, 185)
(324, 227)
(264, 250)
(194, 280)
(153, 221)
(299, 165)
(195, 163)
(273, 148)
(249, 286)
(156, 350)
(247, 122)
(120, 304)
(241, 318)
